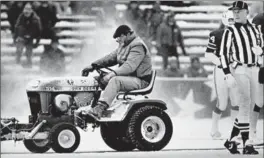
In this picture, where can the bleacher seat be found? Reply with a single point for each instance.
(193, 20)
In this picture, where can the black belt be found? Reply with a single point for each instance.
(248, 65)
(220, 66)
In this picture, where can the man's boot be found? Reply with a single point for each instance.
(98, 110)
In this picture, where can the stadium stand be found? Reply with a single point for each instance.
(195, 21)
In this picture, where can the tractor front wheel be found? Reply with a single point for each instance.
(65, 138)
(37, 146)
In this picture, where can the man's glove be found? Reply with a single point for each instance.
(257, 50)
(86, 70)
(230, 81)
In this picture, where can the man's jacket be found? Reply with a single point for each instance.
(133, 58)
(169, 35)
(47, 16)
(28, 26)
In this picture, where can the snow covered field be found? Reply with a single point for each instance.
(190, 139)
(167, 154)
(191, 122)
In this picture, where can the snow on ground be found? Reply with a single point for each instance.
(166, 154)
(188, 134)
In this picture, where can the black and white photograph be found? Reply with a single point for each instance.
(126, 79)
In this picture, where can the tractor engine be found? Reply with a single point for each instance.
(83, 98)
(57, 97)
(63, 102)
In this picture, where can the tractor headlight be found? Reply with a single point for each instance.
(63, 102)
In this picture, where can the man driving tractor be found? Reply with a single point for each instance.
(133, 73)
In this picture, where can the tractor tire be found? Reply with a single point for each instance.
(150, 128)
(37, 146)
(65, 138)
(115, 136)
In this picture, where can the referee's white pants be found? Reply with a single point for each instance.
(247, 90)
(223, 92)
(257, 93)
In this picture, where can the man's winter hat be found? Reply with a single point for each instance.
(238, 5)
(122, 29)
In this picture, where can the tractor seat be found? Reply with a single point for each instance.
(143, 91)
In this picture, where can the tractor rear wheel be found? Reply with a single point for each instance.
(150, 128)
(115, 136)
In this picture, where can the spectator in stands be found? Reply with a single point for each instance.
(147, 14)
(48, 16)
(168, 37)
(36, 5)
(63, 7)
(132, 14)
(140, 25)
(144, 23)
(110, 11)
(196, 69)
(6, 4)
(75, 6)
(84, 7)
(155, 20)
(144, 27)
(27, 28)
(13, 12)
(52, 60)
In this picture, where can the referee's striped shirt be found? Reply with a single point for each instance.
(239, 39)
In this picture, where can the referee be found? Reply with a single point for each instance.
(243, 40)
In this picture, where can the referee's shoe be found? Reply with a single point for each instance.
(249, 148)
(231, 146)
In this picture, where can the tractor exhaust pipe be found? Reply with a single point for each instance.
(35, 130)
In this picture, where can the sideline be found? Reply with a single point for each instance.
(110, 151)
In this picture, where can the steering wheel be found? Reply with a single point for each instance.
(101, 73)
(99, 69)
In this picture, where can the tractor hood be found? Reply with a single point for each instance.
(63, 84)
